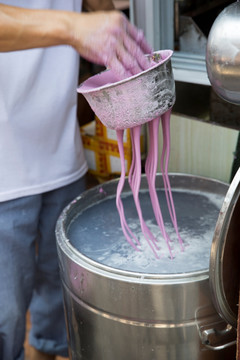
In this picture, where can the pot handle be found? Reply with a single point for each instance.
(211, 336)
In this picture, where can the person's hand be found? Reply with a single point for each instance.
(109, 39)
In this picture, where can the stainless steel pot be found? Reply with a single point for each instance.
(116, 312)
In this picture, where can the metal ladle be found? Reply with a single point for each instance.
(223, 54)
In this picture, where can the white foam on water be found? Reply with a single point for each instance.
(107, 244)
(194, 257)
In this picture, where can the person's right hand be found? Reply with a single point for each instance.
(109, 39)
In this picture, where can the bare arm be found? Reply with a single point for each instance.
(22, 28)
(104, 37)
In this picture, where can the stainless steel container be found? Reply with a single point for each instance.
(135, 100)
(114, 311)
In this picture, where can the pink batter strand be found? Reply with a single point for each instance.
(165, 121)
(151, 170)
(126, 230)
(135, 181)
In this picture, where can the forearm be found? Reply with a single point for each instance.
(22, 28)
(104, 37)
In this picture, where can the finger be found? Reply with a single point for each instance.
(138, 36)
(145, 47)
(127, 60)
(136, 53)
(118, 68)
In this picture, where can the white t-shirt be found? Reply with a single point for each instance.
(40, 144)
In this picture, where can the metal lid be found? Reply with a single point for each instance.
(224, 270)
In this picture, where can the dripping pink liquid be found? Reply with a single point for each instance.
(134, 179)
